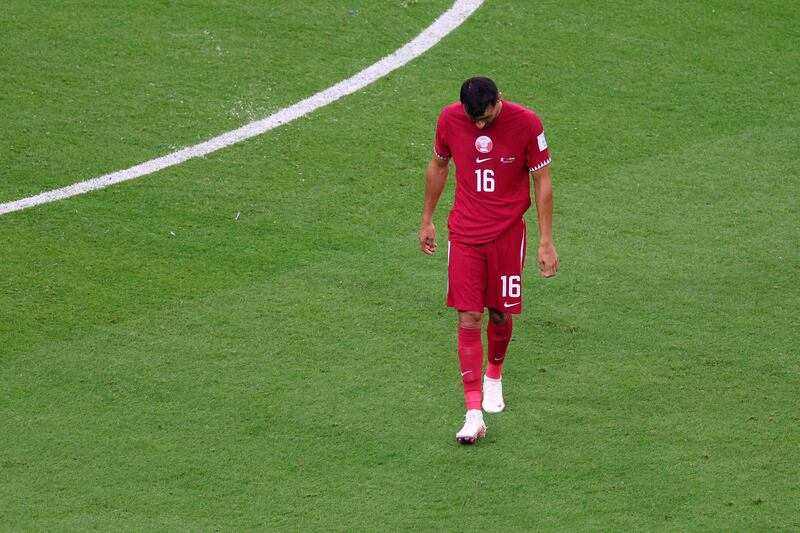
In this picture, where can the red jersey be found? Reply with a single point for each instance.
(493, 187)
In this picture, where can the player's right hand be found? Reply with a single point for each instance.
(427, 238)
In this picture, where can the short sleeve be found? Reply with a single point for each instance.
(538, 155)
(441, 147)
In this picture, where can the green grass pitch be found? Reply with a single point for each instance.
(165, 365)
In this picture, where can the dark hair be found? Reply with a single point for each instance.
(477, 94)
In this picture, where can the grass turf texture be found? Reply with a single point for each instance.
(295, 368)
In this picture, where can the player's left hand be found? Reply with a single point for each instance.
(427, 238)
(548, 260)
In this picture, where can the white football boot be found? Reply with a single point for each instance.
(493, 395)
(473, 427)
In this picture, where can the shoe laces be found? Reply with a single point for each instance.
(493, 386)
(477, 417)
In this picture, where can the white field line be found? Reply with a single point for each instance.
(441, 27)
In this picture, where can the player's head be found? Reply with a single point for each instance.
(480, 98)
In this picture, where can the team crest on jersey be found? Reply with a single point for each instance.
(483, 144)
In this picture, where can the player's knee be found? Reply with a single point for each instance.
(470, 319)
(498, 317)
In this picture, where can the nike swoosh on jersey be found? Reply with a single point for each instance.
(479, 160)
(507, 305)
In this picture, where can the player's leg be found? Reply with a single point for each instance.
(470, 356)
(504, 295)
(499, 334)
(465, 291)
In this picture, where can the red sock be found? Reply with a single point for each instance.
(470, 358)
(499, 336)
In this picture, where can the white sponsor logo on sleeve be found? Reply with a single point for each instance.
(542, 141)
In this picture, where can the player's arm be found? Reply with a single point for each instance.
(543, 191)
(435, 180)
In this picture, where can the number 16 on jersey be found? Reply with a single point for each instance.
(485, 179)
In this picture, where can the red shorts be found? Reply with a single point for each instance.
(487, 275)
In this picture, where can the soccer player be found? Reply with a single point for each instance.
(495, 145)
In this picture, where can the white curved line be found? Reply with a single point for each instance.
(441, 27)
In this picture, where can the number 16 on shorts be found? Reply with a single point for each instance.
(511, 286)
